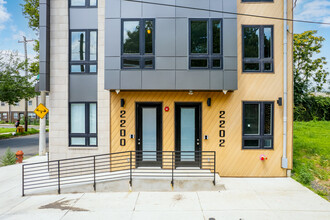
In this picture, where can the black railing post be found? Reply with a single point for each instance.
(58, 177)
(130, 168)
(214, 168)
(22, 180)
(172, 182)
(94, 176)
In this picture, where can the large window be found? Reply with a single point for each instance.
(138, 47)
(83, 3)
(258, 49)
(205, 44)
(83, 51)
(83, 126)
(258, 119)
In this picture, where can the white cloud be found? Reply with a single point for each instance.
(4, 15)
(314, 10)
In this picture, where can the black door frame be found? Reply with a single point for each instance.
(198, 134)
(138, 132)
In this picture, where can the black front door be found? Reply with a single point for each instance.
(148, 134)
(188, 134)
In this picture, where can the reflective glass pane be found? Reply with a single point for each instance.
(251, 67)
(251, 143)
(78, 141)
(131, 37)
(199, 63)
(267, 42)
(251, 119)
(148, 63)
(268, 67)
(92, 118)
(188, 134)
(92, 2)
(199, 37)
(149, 133)
(268, 119)
(92, 141)
(268, 143)
(93, 45)
(77, 118)
(251, 42)
(216, 63)
(131, 63)
(216, 28)
(149, 28)
(93, 68)
(77, 68)
(78, 46)
(77, 2)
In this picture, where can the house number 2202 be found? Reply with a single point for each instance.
(123, 128)
(222, 131)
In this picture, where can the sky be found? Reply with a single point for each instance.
(13, 25)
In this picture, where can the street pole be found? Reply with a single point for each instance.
(42, 128)
(26, 120)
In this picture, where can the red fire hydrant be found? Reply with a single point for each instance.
(19, 156)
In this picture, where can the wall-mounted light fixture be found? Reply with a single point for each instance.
(206, 137)
(225, 91)
(279, 101)
(209, 102)
(190, 92)
(117, 91)
(122, 102)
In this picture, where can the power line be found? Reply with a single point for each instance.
(227, 12)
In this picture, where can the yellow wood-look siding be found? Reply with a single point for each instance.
(231, 160)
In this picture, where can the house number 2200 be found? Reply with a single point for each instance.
(123, 128)
(222, 131)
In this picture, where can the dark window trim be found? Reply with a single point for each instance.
(87, 133)
(87, 62)
(141, 56)
(87, 4)
(261, 59)
(209, 55)
(261, 137)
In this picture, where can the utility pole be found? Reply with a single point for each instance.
(26, 120)
(42, 128)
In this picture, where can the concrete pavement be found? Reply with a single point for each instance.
(244, 198)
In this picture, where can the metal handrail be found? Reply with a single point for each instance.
(105, 167)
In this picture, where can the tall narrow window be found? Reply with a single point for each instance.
(257, 48)
(138, 38)
(205, 43)
(258, 125)
(83, 51)
(83, 3)
(83, 124)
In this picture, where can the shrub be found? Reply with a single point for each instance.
(304, 176)
(9, 158)
(312, 108)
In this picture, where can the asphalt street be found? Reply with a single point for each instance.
(28, 144)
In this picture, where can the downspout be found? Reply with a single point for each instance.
(285, 86)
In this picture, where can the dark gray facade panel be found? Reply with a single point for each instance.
(44, 44)
(193, 79)
(83, 18)
(230, 80)
(230, 5)
(230, 37)
(181, 37)
(112, 37)
(112, 79)
(165, 37)
(112, 63)
(165, 63)
(112, 9)
(83, 88)
(131, 79)
(181, 63)
(158, 80)
(230, 63)
(217, 79)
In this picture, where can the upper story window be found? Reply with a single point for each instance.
(258, 126)
(138, 47)
(17, 104)
(258, 49)
(3, 104)
(83, 3)
(83, 52)
(30, 103)
(206, 44)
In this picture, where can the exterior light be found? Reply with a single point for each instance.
(190, 92)
(225, 91)
(117, 91)
(122, 102)
(149, 31)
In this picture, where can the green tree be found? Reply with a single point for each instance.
(309, 72)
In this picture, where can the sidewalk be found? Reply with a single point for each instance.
(244, 198)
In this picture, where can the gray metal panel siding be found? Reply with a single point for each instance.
(217, 79)
(193, 79)
(161, 80)
(83, 18)
(165, 37)
(230, 80)
(112, 79)
(131, 79)
(83, 88)
(44, 44)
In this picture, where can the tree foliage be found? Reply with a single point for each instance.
(309, 71)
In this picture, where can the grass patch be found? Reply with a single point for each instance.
(6, 130)
(29, 132)
(311, 155)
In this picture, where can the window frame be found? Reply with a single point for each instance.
(261, 60)
(210, 56)
(87, 62)
(142, 57)
(261, 136)
(87, 135)
(87, 4)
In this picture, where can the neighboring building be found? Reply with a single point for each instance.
(132, 76)
(17, 110)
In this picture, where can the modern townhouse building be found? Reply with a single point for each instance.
(171, 75)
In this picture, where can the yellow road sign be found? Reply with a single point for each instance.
(41, 111)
